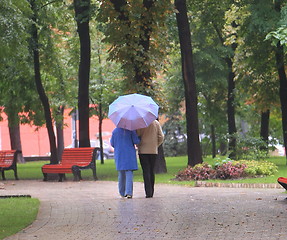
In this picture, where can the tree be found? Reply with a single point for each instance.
(258, 60)
(82, 15)
(134, 30)
(106, 83)
(14, 72)
(280, 64)
(194, 148)
(41, 91)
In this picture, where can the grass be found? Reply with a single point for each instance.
(107, 172)
(16, 214)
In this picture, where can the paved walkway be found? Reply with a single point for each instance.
(93, 210)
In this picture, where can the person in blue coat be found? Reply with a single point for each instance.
(123, 141)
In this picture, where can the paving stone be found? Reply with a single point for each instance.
(93, 210)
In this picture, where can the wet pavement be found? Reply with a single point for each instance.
(94, 210)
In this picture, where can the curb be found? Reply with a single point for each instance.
(237, 185)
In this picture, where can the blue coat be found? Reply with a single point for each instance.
(123, 142)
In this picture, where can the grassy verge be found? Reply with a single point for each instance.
(16, 214)
(107, 172)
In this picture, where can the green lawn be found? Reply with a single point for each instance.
(107, 172)
(16, 214)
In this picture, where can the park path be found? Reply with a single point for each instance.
(93, 210)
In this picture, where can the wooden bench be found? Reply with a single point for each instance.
(8, 161)
(73, 161)
(283, 182)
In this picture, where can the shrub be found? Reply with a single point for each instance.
(250, 148)
(258, 168)
(198, 172)
(174, 138)
(227, 169)
(230, 170)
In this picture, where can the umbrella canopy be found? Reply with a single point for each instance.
(133, 111)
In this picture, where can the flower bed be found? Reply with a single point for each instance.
(227, 170)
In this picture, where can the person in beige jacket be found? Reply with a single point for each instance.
(151, 138)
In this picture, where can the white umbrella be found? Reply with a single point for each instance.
(133, 111)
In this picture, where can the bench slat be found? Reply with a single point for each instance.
(8, 161)
(73, 160)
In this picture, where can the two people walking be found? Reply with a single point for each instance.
(148, 140)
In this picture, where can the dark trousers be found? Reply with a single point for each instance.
(147, 163)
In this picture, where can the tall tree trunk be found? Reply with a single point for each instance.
(60, 131)
(40, 88)
(100, 132)
(101, 109)
(160, 164)
(213, 141)
(283, 82)
(143, 76)
(282, 91)
(14, 133)
(231, 111)
(230, 96)
(193, 144)
(264, 129)
(82, 13)
(222, 148)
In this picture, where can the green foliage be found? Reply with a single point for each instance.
(175, 138)
(128, 29)
(106, 78)
(13, 23)
(204, 171)
(250, 148)
(227, 169)
(261, 168)
(16, 214)
(198, 172)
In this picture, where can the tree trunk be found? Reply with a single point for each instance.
(283, 83)
(14, 133)
(143, 74)
(100, 132)
(193, 144)
(160, 164)
(82, 14)
(230, 97)
(282, 91)
(222, 148)
(213, 141)
(40, 88)
(264, 130)
(231, 111)
(60, 131)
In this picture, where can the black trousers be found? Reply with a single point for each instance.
(148, 163)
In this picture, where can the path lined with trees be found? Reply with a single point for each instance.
(218, 70)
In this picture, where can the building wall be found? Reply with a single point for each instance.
(35, 141)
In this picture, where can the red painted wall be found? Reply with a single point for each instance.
(36, 142)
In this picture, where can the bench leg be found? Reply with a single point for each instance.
(45, 177)
(95, 173)
(3, 175)
(77, 173)
(61, 177)
(16, 174)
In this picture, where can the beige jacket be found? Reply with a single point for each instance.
(151, 138)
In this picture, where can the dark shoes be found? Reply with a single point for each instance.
(148, 196)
